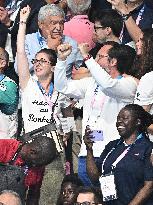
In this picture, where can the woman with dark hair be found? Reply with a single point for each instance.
(143, 68)
(144, 60)
(126, 160)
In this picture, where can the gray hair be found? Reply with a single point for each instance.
(50, 10)
(16, 195)
(78, 6)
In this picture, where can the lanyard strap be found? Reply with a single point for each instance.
(138, 19)
(101, 103)
(122, 155)
(2, 77)
(41, 40)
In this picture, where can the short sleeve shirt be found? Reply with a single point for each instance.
(131, 172)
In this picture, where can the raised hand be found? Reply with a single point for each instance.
(84, 49)
(24, 13)
(64, 51)
(119, 5)
(88, 138)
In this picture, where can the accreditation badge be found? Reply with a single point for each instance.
(108, 187)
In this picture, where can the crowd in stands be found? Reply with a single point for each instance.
(76, 102)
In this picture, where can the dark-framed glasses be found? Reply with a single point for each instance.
(98, 27)
(40, 61)
(61, 22)
(99, 56)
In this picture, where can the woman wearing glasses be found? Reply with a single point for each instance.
(38, 97)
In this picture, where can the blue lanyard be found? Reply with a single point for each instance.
(2, 76)
(41, 40)
(129, 147)
(43, 91)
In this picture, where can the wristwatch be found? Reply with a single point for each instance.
(126, 16)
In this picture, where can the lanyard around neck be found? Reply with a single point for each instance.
(138, 19)
(122, 155)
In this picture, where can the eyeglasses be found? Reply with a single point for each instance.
(41, 61)
(98, 27)
(99, 56)
(85, 203)
(61, 22)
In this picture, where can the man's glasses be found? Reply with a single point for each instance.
(41, 61)
(98, 27)
(99, 56)
(57, 22)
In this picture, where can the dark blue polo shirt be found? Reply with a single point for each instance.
(131, 172)
(145, 22)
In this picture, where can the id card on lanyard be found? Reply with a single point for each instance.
(107, 182)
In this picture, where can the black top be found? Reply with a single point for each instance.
(131, 172)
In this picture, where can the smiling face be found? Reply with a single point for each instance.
(126, 124)
(42, 65)
(68, 193)
(102, 58)
(53, 25)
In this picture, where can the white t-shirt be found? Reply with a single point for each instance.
(37, 108)
(101, 105)
(144, 94)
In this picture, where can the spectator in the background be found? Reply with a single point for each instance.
(107, 27)
(9, 197)
(8, 100)
(32, 156)
(68, 191)
(79, 27)
(136, 16)
(50, 35)
(89, 195)
(143, 69)
(9, 19)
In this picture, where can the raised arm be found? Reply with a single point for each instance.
(22, 61)
(71, 88)
(133, 29)
(123, 89)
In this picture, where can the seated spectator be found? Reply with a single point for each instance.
(127, 159)
(108, 95)
(69, 187)
(50, 35)
(143, 69)
(33, 155)
(79, 27)
(9, 197)
(8, 100)
(136, 15)
(88, 195)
